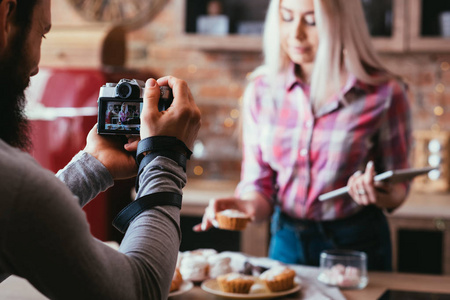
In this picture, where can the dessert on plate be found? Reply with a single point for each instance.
(194, 268)
(278, 278)
(235, 283)
(219, 265)
(176, 281)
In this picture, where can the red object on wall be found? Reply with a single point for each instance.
(58, 133)
(63, 109)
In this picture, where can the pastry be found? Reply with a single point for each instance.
(235, 283)
(278, 278)
(232, 219)
(194, 268)
(219, 265)
(176, 281)
(258, 288)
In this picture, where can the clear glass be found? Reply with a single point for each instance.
(345, 269)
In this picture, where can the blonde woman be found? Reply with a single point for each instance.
(321, 113)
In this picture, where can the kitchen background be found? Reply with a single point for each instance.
(79, 54)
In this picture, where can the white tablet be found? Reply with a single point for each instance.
(393, 176)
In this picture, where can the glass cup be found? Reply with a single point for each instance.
(346, 269)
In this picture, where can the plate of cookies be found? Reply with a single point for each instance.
(276, 282)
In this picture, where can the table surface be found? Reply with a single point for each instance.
(18, 288)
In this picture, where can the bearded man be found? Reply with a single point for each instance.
(44, 234)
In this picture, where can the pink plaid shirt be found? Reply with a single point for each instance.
(292, 156)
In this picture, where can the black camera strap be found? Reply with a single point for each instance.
(168, 146)
(135, 208)
(148, 149)
(161, 143)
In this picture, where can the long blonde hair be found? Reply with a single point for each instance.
(344, 42)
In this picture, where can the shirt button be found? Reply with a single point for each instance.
(303, 152)
(309, 124)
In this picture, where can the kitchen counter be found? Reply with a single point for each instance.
(18, 288)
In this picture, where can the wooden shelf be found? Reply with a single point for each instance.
(405, 34)
(83, 46)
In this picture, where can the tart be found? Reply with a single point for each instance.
(232, 219)
(278, 278)
(235, 283)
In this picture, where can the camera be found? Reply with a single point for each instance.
(120, 106)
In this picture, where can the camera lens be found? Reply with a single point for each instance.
(124, 90)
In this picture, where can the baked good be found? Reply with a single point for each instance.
(235, 283)
(176, 281)
(278, 278)
(219, 265)
(258, 288)
(194, 268)
(232, 219)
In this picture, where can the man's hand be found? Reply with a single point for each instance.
(110, 151)
(181, 119)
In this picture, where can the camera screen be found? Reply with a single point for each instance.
(119, 116)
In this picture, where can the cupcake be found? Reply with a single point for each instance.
(232, 219)
(278, 278)
(235, 283)
(176, 281)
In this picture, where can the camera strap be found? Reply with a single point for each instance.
(135, 208)
(168, 146)
(161, 143)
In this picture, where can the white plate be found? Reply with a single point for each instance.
(211, 286)
(185, 287)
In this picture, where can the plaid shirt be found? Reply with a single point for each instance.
(292, 156)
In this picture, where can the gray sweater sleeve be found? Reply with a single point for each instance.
(66, 262)
(86, 177)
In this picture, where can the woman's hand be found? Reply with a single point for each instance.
(365, 191)
(252, 203)
(217, 205)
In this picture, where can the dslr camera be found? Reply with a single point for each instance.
(120, 106)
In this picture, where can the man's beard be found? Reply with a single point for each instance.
(14, 126)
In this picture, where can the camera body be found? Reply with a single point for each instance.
(120, 106)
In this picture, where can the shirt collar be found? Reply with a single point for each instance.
(352, 85)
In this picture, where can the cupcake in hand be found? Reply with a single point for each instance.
(232, 219)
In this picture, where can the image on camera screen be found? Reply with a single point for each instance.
(119, 116)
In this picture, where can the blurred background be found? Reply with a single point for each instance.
(214, 49)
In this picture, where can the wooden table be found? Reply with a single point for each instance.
(17, 288)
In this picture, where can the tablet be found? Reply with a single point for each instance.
(393, 176)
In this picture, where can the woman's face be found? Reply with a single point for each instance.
(298, 32)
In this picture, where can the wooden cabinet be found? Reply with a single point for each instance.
(421, 245)
(396, 41)
(420, 232)
(424, 26)
(405, 30)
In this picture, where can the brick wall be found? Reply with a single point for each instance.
(217, 80)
